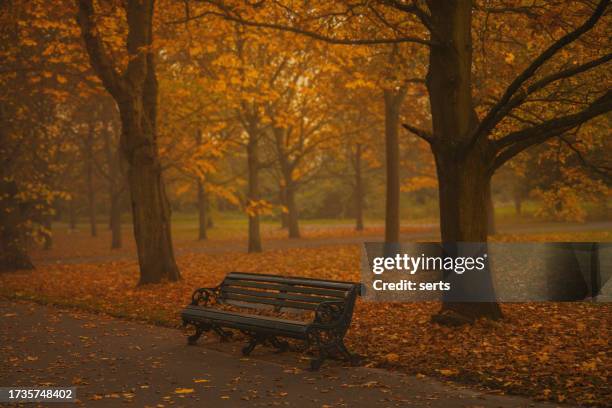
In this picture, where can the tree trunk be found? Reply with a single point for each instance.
(135, 92)
(462, 168)
(150, 214)
(13, 239)
(464, 205)
(115, 220)
(288, 186)
(518, 205)
(282, 198)
(292, 211)
(517, 196)
(202, 201)
(393, 103)
(47, 235)
(72, 216)
(202, 212)
(253, 194)
(89, 175)
(358, 190)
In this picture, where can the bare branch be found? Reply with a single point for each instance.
(423, 134)
(542, 83)
(605, 172)
(226, 14)
(498, 111)
(515, 142)
(412, 9)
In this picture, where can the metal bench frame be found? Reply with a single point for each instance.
(326, 332)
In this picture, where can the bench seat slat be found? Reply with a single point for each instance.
(341, 294)
(274, 302)
(319, 283)
(276, 295)
(243, 320)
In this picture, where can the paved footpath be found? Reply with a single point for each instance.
(115, 363)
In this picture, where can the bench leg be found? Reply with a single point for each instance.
(331, 345)
(224, 335)
(281, 345)
(316, 363)
(324, 346)
(353, 358)
(192, 340)
(254, 341)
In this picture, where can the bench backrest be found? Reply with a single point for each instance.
(284, 292)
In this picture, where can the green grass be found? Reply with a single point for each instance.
(234, 224)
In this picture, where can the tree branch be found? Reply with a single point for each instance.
(542, 83)
(413, 9)
(423, 134)
(97, 54)
(500, 110)
(226, 15)
(602, 171)
(515, 142)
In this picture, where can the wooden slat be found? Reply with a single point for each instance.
(277, 295)
(274, 302)
(240, 320)
(317, 283)
(335, 293)
(199, 310)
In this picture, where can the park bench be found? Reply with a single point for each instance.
(262, 298)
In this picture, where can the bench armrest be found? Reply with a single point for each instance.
(205, 295)
(329, 314)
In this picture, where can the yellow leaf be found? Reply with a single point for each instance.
(183, 391)
(392, 358)
(448, 372)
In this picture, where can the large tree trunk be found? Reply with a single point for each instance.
(13, 237)
(202, 212)
(253, 194)
(89, 176)
(359, 190)
(393, 103)
(150, 213)
(463, 168)
(463, 218)
(135, 92)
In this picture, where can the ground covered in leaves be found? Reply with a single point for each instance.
(549, 351)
